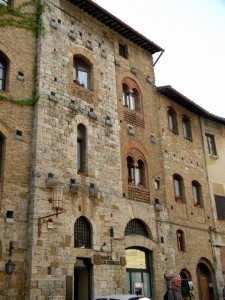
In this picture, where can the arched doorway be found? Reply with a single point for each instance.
(138, 275)
(205, 282)
(187, 288)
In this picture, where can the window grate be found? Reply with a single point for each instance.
(82, 234)
(135, 227)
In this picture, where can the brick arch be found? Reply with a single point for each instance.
(132, 84)
(133, 144)
(127, 76)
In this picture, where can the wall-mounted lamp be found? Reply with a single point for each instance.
(9, 267)
(57, 198)
(57, 205)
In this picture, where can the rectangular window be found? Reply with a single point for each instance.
(123, 51)
(211, 146)
(195, 193)
(220, 206)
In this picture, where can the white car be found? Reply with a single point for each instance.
(121, 297)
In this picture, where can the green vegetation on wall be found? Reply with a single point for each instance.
(21, 17)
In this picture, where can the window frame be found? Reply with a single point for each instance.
(172, 120)
(131, 96)
(220, 207)
(187, 128)
(123, 50)
(80, 65)
(197, 193)
(82, 233)
(4, 65)
(211, 144)
(135, 171)
(181, 244)
(178, 188)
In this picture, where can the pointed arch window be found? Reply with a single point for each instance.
(181, 240)
(81, 148)
(187, 128)
(172, 120)
(197, 193)
(136, 227)
(178, 188)
(82, 233)
(81, 72)
(3, 71)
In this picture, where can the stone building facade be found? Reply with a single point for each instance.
(115, 191)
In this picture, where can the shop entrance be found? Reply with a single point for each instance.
(138, 272)
(82, 279)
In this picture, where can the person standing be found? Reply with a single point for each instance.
(174, 292)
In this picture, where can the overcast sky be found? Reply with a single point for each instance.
(192, 33)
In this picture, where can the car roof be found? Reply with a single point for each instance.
(120, 297)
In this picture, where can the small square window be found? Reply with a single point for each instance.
(123, 51)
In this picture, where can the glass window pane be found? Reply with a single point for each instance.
(83, 78)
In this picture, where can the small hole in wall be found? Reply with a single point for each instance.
(80, 33)
(121, 121)
(72, 23)
(191, 213)
(124, 195)
(59, 21)
(79, 208)
(55, 79)
(171, 207)
(19, 132)
(72, 181)
(21, 74)
(162, 240)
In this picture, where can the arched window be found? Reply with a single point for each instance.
(136, 227)
(172, 120)
(81, 72)
(197, 193)
(178, 188)
(3, 71)
(81, 148)
(82, 233)
(187, 128)
(131, 98)
(180, 240)
(136, 172)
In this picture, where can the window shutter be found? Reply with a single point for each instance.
(220, 206)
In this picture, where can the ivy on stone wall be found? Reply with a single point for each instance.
(32, 21)
(20, 18)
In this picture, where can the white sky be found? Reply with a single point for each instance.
(192, 33)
